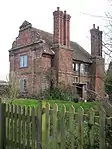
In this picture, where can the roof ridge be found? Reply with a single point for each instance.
(70, 41)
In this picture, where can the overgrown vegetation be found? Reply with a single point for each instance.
(60, 93)
(108, 85)
(9, 90)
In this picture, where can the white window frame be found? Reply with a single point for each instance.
(75, 67)
(82, 68)
(76, 79)
(23, 61)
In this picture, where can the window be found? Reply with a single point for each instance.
(23, 61)
(82, 69)
(86, 68)
(75, 66)
(23, 85)
(76, 79)
(85, 87)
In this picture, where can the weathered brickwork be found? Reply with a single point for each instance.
(46, 52)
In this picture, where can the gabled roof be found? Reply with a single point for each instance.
(79, 53)
(36, 35)
(25, 25)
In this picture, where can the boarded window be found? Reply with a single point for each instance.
(23, 85)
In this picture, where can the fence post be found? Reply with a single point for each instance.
(2, 126)
(39, 126)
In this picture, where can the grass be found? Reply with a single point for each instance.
(35, 103)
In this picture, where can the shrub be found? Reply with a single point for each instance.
(59, 93)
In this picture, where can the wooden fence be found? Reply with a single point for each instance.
(52, 128)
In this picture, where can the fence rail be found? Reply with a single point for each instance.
(50, 128)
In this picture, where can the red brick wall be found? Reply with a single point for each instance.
(34, 73)
(97, 76)
(46, 62)
(24, 38)
(36, 63)
(100, 77)
(22, 72)
(63, 65)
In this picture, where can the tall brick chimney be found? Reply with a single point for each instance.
(66, 29)
(58, 27)
(63, 54)
(97, 67)
(96, 41)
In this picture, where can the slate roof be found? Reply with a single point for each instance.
(79, 53)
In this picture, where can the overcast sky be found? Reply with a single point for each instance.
(39, 13)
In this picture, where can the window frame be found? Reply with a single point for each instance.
(86, 70)
(82, 68)
(75, 79)
(24, 63)
(24, 85)
(75, 66)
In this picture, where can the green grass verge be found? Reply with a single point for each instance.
(35, 103)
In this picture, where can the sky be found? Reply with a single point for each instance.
(39, 13)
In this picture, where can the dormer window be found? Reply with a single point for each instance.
(23, 61)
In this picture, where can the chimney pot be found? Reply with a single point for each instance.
(98, 27)
(94, 26)
(58, 8)
(65, 12)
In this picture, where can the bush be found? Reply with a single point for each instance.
(75, 99)
(60, 93)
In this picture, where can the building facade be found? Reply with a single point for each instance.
(40, 60)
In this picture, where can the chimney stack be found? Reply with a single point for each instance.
(96, 41)
(67, 29)
(58, 27)
(61, 28)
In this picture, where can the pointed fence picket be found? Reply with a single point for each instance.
(21, 127)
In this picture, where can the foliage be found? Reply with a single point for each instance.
(9, 90)
(4, 90)
(61, 92)
(108, 84)
(12, 87)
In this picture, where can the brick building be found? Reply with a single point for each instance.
(35, 53)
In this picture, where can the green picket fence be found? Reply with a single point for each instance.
(44, 127)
